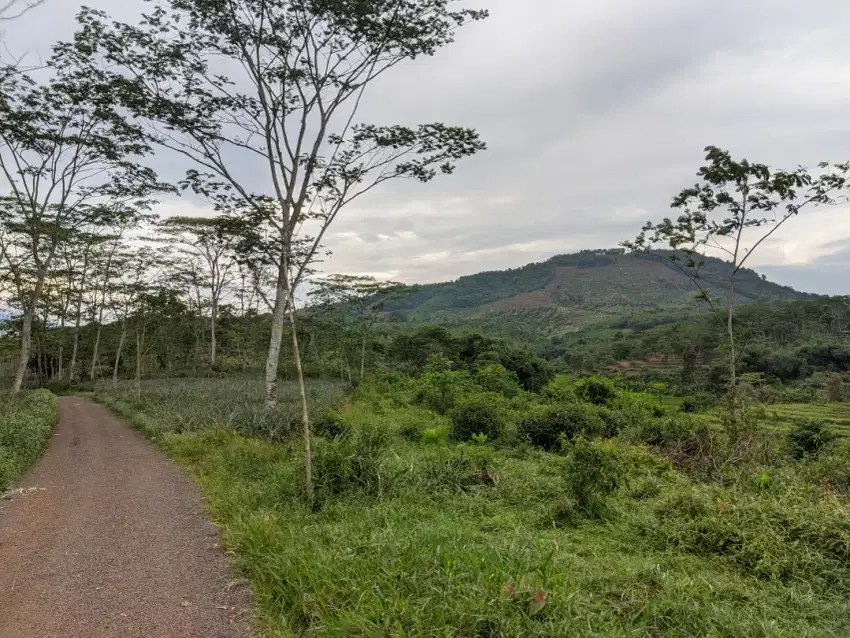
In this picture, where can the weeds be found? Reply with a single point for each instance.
(26, 428)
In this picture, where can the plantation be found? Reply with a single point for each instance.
(503, 513)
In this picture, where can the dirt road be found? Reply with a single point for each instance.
(114, 545)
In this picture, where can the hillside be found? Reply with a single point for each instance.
(567, 292)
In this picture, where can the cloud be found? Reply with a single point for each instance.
(595, 114)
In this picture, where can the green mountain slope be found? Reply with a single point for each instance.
(567, 292)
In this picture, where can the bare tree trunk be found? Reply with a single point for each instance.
(305, 409)
(118, 356)
(26, 334)
(213, 313)
(95, 353)
(77, 320)
(138, 364)
(273, 357)
(363, 357)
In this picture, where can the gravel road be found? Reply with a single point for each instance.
(112, 543)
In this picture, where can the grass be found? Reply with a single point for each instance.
(26, 427)
(416, 536)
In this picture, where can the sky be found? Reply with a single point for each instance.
(596, 113)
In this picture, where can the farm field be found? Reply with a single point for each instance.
(415, 534)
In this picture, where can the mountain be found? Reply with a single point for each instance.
(566, 292)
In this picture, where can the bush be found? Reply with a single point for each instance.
(483, 413)
(832, 467)
(594, 471)
(349, 464)
(807, 438)
(439, 391)
(596, 390)
(545, 426)
(494, 377)
(560, 389)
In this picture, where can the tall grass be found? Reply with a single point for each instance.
(26, 427)
(415, 535)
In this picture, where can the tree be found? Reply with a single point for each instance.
(735, 208)
(362, 297)
(210, 261)
(281, 97)
(11, 9)
(69, 160)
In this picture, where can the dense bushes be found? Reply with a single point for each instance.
(26, 427)
(546, 426)
(593, 471)
(482, 413)
(807, 439)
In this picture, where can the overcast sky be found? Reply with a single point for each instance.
(596, 113)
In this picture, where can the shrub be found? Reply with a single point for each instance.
(832, 466)
(545, 426)
(349, 464)
(435, 436)
(596, 390)
(560, 389)
(452, 469)
(807, 438)
(482, 413)
(494, 377)
(439, 391)
(594, 471)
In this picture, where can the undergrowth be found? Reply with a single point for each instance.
(469, 511)
(26, 427)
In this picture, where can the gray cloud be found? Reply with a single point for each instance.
(596, 113)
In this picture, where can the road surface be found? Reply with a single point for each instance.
(109, 540)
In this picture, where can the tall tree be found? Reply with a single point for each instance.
(734, 209)
(280, 97)
(207, 245)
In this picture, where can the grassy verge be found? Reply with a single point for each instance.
(417, 536)
(26, 427)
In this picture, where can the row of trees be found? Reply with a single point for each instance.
(258, 98)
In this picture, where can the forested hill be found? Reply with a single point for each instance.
(590, 280)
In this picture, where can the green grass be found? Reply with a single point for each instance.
(26, 427)
(435, 539)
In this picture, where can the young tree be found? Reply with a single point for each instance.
(210, 261)
(69, 160)
(735, 208)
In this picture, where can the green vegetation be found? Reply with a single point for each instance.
(26, 428)
(628, 518)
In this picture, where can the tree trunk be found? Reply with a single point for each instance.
(213, 313)
(95, 353)
(363, 357)
(61, 373)
(273, 357)
(732, 408)
(26, 333)
(118, 357)
(305, 409)
(138, 364)
(78, 318)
